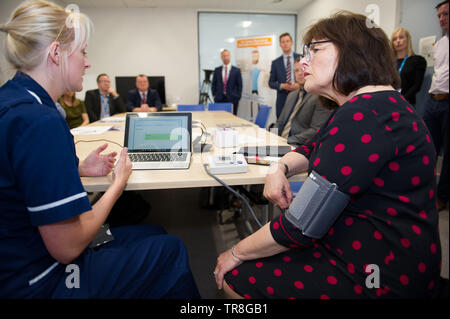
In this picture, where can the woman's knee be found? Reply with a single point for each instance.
(230, 293)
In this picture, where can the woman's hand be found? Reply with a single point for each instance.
(123, 168)
(260, 244)
(96, 164)
(225, 262)
(277, 189)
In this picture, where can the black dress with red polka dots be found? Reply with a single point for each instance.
(376, 149)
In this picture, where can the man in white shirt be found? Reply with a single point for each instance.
(436, 107)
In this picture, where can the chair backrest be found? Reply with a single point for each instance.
(190, 107)
(263, 115)
(228, 107)
(295, 187)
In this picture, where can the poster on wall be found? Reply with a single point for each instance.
(426, 49)
(254, 55)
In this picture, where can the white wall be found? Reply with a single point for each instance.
(389, 13)
(414, 14)
(130, 41)
(414, 11)
(155, 42)
(6, 8)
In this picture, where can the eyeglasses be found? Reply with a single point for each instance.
(306, 49)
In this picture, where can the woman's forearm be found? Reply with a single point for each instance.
(85, 118)
(296, 162)
(91, 221)
(66, 240)
(258, 245)
(261, 243)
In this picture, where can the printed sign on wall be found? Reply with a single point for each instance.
(254, 57)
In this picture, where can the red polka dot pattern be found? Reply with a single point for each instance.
(332, 280)
(358, 116)
(366, 138)
(378, 151)
(339, 148)
(346, 170)
(299, 285)
(374, 157)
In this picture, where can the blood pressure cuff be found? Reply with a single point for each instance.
(316, 206)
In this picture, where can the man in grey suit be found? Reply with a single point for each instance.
(302, 113)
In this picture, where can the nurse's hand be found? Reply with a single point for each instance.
(123, 168)
(97, 164)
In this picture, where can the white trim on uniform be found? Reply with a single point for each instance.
(42, 275)
(57, 203)
(35, 96)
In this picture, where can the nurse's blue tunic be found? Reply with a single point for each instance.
(40, 185)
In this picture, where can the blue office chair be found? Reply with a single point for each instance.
(295, 187)
(263, 115)
(228, 107)
(190, 107)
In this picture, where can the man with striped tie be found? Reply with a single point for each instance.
(282, 76)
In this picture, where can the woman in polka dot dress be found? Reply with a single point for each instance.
(378, 151)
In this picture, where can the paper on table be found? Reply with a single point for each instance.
(88, 130)
(113, 119)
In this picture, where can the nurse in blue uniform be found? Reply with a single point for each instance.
(46, 220)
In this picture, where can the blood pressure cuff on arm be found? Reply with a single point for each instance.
(316, 206)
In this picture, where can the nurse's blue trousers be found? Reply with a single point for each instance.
(141, 262)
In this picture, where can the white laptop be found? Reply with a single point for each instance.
(159, 140)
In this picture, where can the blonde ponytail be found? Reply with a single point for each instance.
(35, 24)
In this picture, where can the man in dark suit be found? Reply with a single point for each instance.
(143, 98)
(282, 72)
(104, 101)
(302, 113)
(227, 82)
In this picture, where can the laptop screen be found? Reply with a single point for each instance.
(156, 132)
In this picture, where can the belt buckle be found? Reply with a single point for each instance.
(439, 96)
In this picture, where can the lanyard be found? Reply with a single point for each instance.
(403, 64)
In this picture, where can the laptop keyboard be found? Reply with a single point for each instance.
(157, 157)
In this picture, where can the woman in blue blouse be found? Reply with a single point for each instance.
(46, 220)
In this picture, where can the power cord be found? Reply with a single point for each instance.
(202, 127)
(206, 167)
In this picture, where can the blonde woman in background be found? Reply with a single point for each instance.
(411, 67)
(75, 109)
(46, 219)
